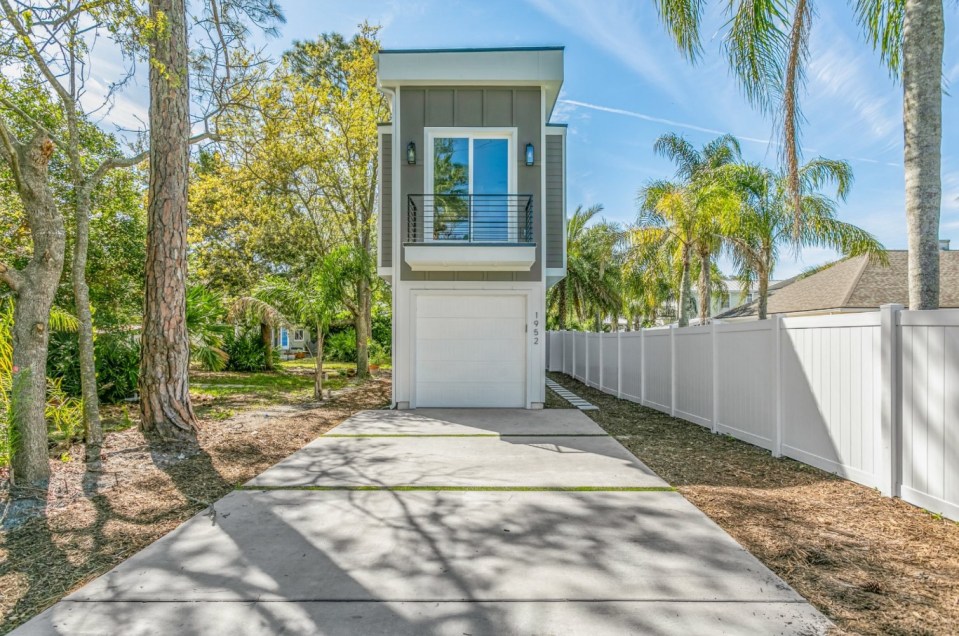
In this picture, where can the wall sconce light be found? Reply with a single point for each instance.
(529, 154)
(411, 153)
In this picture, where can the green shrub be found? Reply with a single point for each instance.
(340, 346)
(117, 359)
(382, 329)
(246, 351)
(379, 354)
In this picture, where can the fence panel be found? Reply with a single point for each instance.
(609, 344)
(579, 355)
(592, 359)
(658, 369)
(554, 350)
(873, 397)
(930, 410)
(745, 377)
(831, 398)
(631, 359)
(694, 375)
(568, 352)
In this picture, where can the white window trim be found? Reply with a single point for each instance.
(298, 334)
(508, 133)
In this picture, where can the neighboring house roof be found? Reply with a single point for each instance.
(853, 284)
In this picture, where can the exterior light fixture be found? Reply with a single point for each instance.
(411, 153)
(530, 156)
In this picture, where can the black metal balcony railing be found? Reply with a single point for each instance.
(469, 218)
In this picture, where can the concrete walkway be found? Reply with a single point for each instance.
(444, 522)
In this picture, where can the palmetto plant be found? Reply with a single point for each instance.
(591, 286)
(63, 412)
(767, 46)
(766, 222)
(206, 324)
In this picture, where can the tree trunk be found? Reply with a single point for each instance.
(165, 363)
(318, 374)
(562, 306)
(685, 289)
(763, 293)
(31, 316)
(361, 326)
(705, 288)
(922, 47)
(93, 430)
(266, 337)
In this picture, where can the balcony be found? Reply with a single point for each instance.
(470, 232)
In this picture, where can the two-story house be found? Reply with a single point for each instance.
(472, 221)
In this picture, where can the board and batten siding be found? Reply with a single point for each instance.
(472, 107)
(553, 204)
(386, 200)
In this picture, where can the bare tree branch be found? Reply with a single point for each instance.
(9, 150)
(10, 276)
(14, 19)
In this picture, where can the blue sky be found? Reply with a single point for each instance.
(626, 84)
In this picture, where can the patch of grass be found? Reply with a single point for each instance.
(874, 565)
(405, 488)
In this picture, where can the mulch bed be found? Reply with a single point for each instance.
(874, 565)
(144, 490)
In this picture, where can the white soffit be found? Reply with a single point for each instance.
(474, 67)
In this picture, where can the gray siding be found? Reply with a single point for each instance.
(473, 107)
(386, 201)
(553, 205)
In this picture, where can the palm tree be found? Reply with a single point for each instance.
(765, 222)
(311, 300)
(591, 285)
(648, 276)
(700, 170)
(667, 223)
(767, 45)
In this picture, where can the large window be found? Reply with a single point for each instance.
(469, 175)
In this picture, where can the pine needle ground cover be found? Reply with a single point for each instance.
(874, 565)
(147, 489)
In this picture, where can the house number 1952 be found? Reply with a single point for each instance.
(536, 329)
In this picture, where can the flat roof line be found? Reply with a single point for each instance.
(477, 50)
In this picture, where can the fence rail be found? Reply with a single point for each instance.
(873, 397)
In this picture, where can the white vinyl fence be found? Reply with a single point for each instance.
(873, 397)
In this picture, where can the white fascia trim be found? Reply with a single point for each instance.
(474, 68)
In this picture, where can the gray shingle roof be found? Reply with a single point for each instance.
(854, 284)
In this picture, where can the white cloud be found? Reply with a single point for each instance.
(658, 120)
(617, 28)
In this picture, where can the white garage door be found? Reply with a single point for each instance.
(470, 351)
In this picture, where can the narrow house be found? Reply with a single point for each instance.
(472, 221)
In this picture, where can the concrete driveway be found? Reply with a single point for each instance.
(446, 522)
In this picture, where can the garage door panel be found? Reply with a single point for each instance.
(496, 394)
(478, 372)
(470, 350)
(462, 306)
(467, 328)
